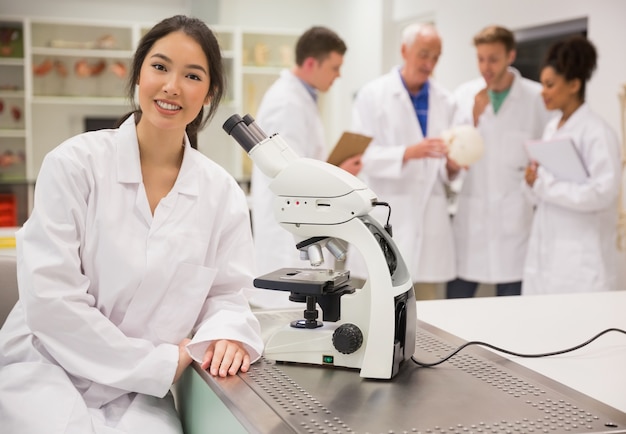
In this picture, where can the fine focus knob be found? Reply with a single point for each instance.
(347, 338)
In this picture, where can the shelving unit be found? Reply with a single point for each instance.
(13, 124)
(78, 73)
(264, 55)
(66, 74)
(253, 59)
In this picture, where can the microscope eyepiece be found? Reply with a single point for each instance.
(270, 154)
(231, 122)
(236, 127)
(254, 128)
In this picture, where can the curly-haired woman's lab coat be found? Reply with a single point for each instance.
(108, 290)
(572, 245)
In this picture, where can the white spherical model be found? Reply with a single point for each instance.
(465, 144)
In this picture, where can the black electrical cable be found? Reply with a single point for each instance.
(387, 205)
(513, 353)
(388, 227)
(387, 250)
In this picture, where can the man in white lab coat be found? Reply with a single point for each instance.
(405, 111)
(289, 108)
(493, 219)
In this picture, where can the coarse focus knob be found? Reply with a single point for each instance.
(347, 338)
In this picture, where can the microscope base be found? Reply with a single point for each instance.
(310, 346)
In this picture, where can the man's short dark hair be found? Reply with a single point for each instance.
(318, 42)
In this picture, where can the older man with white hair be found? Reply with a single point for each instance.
(406, 111)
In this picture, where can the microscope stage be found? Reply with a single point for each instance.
(304, 281)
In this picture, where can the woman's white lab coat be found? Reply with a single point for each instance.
(493, 218)
(415, 189)
(287, 108)
(572, 246)
(107, 290)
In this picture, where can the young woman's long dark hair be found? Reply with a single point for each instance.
(201, 33)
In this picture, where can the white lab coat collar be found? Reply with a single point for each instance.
(129, 165)
(398, 86)
(398, 90)
(581, 112)
(516, 87)
(516, 92)
(301, 86)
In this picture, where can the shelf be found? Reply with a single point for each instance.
(16, 133)
(74, 52)
(80, 37)
(11, 61)
(11, 78)
(15, 181)
(11, 93)
(80, 100)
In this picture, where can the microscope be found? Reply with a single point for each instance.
(372, 328)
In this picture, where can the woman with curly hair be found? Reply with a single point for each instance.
(572, 246)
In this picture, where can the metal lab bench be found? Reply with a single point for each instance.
(476, 391)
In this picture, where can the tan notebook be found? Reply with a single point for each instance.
(349, 145)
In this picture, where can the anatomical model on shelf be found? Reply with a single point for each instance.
(10, 158)
(82, 68)
(261, 53)
(16, 112)
(106, 42)
(10, 42)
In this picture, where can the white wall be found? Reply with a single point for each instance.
(267, 14)
(360, 24)
(123, 10)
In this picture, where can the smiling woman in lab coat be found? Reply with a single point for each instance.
(136, 241)
(572, 246)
